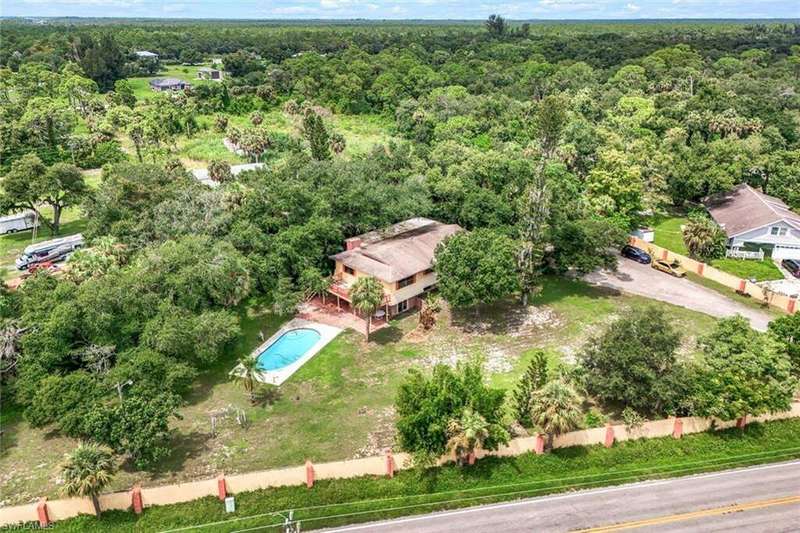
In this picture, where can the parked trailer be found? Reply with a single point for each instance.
(52, 250)
(17, 222)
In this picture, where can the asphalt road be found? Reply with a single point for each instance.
(758, 499)
(635, 278)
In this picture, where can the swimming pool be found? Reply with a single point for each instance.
(288, 348)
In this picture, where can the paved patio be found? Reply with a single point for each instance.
(328, 313)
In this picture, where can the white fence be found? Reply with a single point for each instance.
(738, 253)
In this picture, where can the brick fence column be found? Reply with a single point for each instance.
(742, 285)
(136, 499)
(389, 463)
(309, 474)
(677, 429)
(700, 268)
(791, 306)
(41, 511)
(222, 489)
(471, 457)
(741, 422)
(664, 254)
(609, 441)
(538, 446)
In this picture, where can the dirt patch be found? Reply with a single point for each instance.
(382, 436)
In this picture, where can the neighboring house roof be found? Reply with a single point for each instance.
(201, 174)
(744, 209)
(167, 82)
(396, 252)
(145, 53)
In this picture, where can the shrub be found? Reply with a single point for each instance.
(426, 405)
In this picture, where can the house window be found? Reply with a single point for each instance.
(402, 307)
(350, 271)
(777, 230)
(427, 271)
(405, 282)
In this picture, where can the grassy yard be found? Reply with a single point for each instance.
(340, 404)
(141, 86)
(339, 502)
(749, 269)
(361, 133)
(668, 233)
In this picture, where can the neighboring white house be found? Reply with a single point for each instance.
(201, 174)
(754, 220)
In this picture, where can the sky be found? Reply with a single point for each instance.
(405, 9)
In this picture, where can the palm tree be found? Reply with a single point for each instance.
(704, 239)
(87, 470)
(367, 296)
(467, 434)
(246, 373)
(556, 409)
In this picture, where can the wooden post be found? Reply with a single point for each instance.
(222, 490)
(309, 474)
(677, 429)
(41, 511)
(609, 442)
(136, 499)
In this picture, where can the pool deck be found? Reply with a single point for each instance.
(276, 377)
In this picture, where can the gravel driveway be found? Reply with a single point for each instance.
(635, 278)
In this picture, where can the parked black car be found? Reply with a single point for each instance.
(792, 266)
(637, 254)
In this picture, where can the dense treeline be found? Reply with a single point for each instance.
(549, 142)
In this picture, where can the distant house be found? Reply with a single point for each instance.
(201, 174)
(400, 257)
(168, 84)
(144, 54)
(207, 73)
(753, 220)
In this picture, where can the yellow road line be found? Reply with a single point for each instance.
(695, 514)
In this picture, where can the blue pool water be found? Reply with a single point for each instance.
(288, 348)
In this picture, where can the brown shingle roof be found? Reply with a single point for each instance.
(398, 251)
(743, 209)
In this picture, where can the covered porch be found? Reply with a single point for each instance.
(336, 311)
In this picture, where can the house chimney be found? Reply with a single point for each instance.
(352, 243)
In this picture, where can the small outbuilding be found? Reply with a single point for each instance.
(144, 54)
(207, 73)
(168, 84)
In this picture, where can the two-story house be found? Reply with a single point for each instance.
(400, 257)
(753, 220)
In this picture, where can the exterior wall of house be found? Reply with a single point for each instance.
(763, 236)
(394, 295)
(777, 246)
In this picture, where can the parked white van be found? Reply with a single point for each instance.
(13, 223)
(52, 250)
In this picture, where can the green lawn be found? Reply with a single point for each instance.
(749, 269)
(340, 404)
(338, 502)
(668, 233)
(141, 86)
